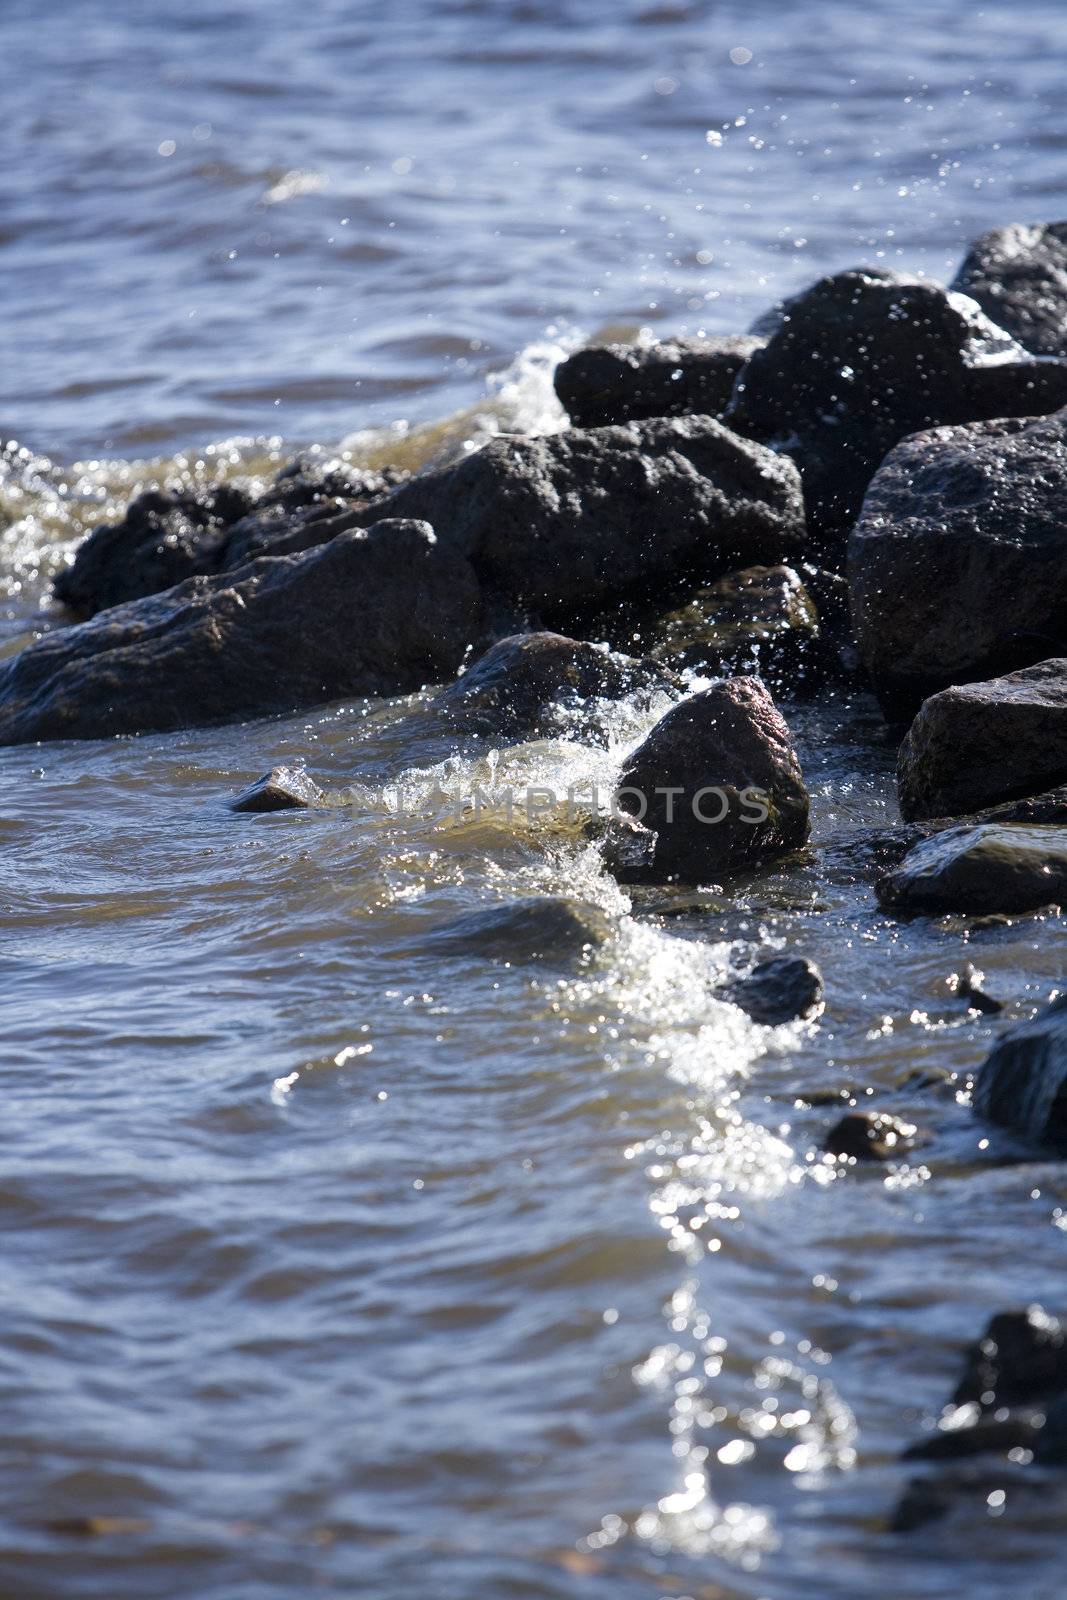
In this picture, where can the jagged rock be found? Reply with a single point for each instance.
(605, 383)
(1021, 1357)
(378, 611)
(1018, 275)
(956, 565)
(859, 362)
(718, 781)
(780, 989)
(870, 1136)
(1023, 1082)
(538, 683)
(980, 744)
(571, 521)
(981, 870)
(280, 789)
(543, 928)
(761, 620)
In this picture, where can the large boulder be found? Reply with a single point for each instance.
(957, 566)
(1018, 275)
(569, 522)
(605, 383)
(1023, 1082)
(168, 535)
(979, 744)
(761, 620)
(859, 362)
(719, 782)
(977, 871)
(377, 611)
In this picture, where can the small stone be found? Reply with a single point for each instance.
(545, 928)
(781, 989)
(870, 1136)
(967, 985)
(280, 789)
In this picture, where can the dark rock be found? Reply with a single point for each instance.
(1023, 1083)
(780, 989)
(860, 362)
(296, 513)
(966, 1432)
(540, 683)
(870, 1136)
(719, 782)
(768, 322)
(571, 521)
(1021, 1357)
(924, 1500)
(976, 871)
(380, 611)
(544, 928)
(761, 620)
(1018, 275)
(629, 847)
(606, 383)
(956, 565)
(967, 985)
(978, 744)
(1050, 1445)
(280, 789)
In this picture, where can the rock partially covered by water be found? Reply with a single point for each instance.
(1023, 1083)
(168, 535)
(533, 684)
(870, 1136)
(1021, 1357)
(280, 789)
(978, 744)
(718, 781)
(760, 620)
(780, 989)
(571, 521)
(553, 929)
(605, 383)
(956, 566)
(978, 871)
(859, 362)
(381, 611)
(1018, 275)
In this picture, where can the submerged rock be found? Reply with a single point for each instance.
(858, 362)
(718, 781)
(380, 611)
(543, 928)
(280, 789)
(568, 522)
(991, 868)
(605, 383)
(1018, 275)
(780, 989)
(965, 1432)
(980, 744)
(1021, 1357)
(967, 985)
(760, 620)
(1023, 1082)
(870, 1136)
(956, 566)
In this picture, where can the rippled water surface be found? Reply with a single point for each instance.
(343, 1255)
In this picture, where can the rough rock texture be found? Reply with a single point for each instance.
(1021, 1356)
(860, 362)
(1023, 1083)
(760, 620)
(167, 536)
(870, 1136)
(956, 566)
(380, 611)
(1018, 275)
(574, 520)
(543, 928)
(606, 383)
(978, 871)
(280, 789)
(979, 744)
(541, 683)
(738, 794)
(781, 989)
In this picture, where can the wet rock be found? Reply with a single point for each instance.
(859, 362)
(280, 789)
(1018, 275)
(568, 522)
(296, 513)
(537, 683)
(760, 620)
(870, 1136)
(629, 848)
(965, 1432)
(967, 985)
(956, 565)
(719, 783)
(543, 928)
(977, 871)
(1023, 1083)
(377, 611)
(781, 989)
(977, 744)
(606, 383)
(1020, 1358)
(924, 1500)
(1050, 1445)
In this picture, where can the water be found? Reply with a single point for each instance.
(339, 1260)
